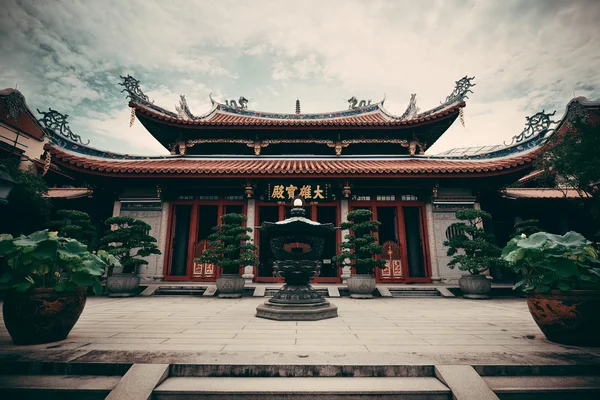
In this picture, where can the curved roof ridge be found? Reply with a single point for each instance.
(456, 98)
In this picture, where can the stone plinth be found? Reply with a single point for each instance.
(296, 312)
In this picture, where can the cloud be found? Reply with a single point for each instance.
(525, 54)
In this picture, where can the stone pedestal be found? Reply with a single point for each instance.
(297, 312)
(297, 300)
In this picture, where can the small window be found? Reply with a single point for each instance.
(386, 197)
(361, 198)
(408, 197)
(234, 197)
(453, 231)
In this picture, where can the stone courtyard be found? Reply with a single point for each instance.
(408, 330)
(180, 347)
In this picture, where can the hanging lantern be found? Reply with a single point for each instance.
(461, 112)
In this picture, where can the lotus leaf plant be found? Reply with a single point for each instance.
(46, 260)
(547, 261)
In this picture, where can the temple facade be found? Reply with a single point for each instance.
(232, 159)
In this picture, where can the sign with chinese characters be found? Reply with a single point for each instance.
(310, 192)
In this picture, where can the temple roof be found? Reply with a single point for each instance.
(222, 115)
(15, 112)
(236, 113)
(231, 122)
(195, 166)
(487, 161)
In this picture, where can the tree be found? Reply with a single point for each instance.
(27, 208)
(572, 157)
(228, 245)
(73, 224)
(361, 243)
(129, 242)
(476, 247)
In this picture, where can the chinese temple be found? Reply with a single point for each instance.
(233, 159)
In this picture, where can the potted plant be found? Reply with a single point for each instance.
(472, 250)
(561, 277)
(229, 249)
(128, 241)
(47, 277)
(360, 247)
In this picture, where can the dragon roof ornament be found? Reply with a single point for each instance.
(412, 110)
(537, 125)
(132, 87)
(461, 89)
(56, 123)
(183, 110)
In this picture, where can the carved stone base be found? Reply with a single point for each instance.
(476, 287)
(297, 312)
(230, 286)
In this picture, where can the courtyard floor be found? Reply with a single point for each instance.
(392, 330)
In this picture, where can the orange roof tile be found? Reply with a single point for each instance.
(191, 166)
(542, 193)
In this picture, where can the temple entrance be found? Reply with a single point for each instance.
(323, 213)
(191, 222)
(402, 236)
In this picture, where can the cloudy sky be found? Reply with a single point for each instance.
(526, 56)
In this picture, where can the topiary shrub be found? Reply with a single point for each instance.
(73, 224)
(361, 245)
(228, 245)
(472, 247)
(129, 242)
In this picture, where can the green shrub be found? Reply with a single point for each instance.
(228, 245)
(361, 245)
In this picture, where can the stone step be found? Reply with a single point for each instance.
(76, 387)
(420, 388)
(414, 292)
(544, 387)
(179, 290)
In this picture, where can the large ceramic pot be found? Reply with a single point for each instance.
(42, 315)
(567, 317)
(230, 286)
(361, 286)
(475, 287)
(123, 285)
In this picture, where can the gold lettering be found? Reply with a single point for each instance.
(318, 193)
(291, 191)
(277, 192)
(305, 192)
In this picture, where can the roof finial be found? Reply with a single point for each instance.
(297, 106)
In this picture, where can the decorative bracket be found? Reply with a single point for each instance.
(57, 123)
